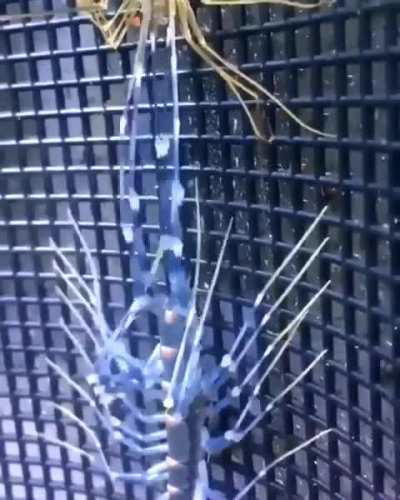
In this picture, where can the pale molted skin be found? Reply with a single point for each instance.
(179, 15)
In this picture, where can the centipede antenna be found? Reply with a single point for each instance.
(62, 444)
(237, 435)
(91, 434)
(199, 331)
(289, 257)
(277, 461)
(79, 317)
(76, 343)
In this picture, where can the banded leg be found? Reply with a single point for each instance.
(194, 352)
(157, 473)
(109, 422)
(232, 360)
(289, 332)
(277, 461)
(169, 401)
(90, 299)
(214, 445)
(228, 360)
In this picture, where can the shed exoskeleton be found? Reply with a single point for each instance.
(160, 13)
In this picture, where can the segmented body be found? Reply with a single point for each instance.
(175, 440)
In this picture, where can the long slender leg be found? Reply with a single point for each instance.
(76, 343)
(73, 384)
(131, 128)
(280, 299)
(73, 271)
(289, 257)
(97, 319)
(87, 430)
(63, 444)
(214, 445)
(237, 390)
(79, 316)
(277, 461)
(151, 437)
(227, 360)
(290, 329)
(153, 474)
(169, 401)
(103, 327)
(294, 281)
(236, 434)
(194, 348)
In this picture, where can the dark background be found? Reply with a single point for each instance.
(61, 95)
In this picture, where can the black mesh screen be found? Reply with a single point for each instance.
(61, 95)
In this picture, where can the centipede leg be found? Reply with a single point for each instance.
(263, 472)
(289, 332)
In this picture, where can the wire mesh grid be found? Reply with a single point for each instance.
(61, 96)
